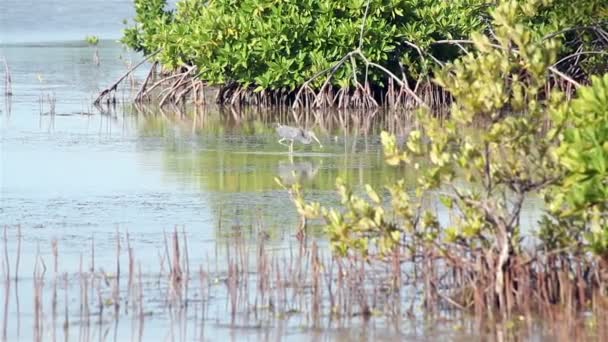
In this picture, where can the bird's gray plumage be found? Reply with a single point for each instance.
(295, 134)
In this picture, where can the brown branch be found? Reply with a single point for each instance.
(421, 53)
(394, 77)
(7, 79)
(159, 82)
(577, 54)
(177, 84)
(331, 70)
(570, 29)
(113, 87)
(564, 76)
(463, 41)
(138, 96)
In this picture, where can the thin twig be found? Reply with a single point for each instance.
(580, 54)
(570, 29)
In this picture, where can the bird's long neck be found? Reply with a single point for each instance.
(306, 138)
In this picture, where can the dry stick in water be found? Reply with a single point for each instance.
(232, 290)
(66, 320)
(141, 303)
(7, 293)
(131, 272)
(38, 284)
(92, 270)
(186, 265)
(18, 253)
(7, 267)
(176, 274)
(203, 301)
(54, 295)
(167, 255)
(116, 292)
(99, 301)
(8, 91)
(82, 296)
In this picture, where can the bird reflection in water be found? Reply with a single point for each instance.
(291, 172)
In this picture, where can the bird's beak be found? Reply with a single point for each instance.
(317, 140)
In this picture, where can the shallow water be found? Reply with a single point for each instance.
(83, 174)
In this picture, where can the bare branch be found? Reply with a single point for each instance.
(577, 54)
(570, 29)
(395, 78)
(564, 76)
(463, 41)
(331, 70)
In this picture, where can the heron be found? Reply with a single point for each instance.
(291, 134)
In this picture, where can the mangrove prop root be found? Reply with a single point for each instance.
(106, 93)
(177, 84)
(363, 96)
(139, 96)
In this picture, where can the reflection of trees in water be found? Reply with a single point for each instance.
(253, 121)
(236, 150)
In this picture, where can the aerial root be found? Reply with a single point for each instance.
(139, 97)
(109, 94)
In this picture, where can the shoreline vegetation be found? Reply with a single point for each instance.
(341, 53)
(531, 75)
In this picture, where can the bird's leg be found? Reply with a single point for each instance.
(281, 142)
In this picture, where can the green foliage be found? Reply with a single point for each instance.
(528, 139)
(482, 176)
(499, 87)
(279, 44)
(578, 204)
(92, 40)
(152, 21)
(584, 151)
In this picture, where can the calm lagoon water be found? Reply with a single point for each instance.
(82, 174)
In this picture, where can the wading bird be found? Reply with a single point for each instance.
(291, 134)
